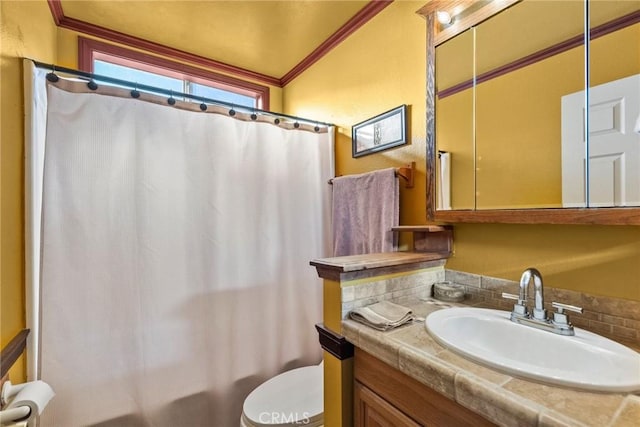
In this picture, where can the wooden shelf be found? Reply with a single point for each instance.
(430, 238)
(367, 265)
(12, 351)
(424, 228)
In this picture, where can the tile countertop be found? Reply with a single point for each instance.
(505, 400)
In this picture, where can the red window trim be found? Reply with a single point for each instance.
(90, 49)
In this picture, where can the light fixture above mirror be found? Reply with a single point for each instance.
(444, 17)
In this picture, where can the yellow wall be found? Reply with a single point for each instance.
(377, 68)
(28, 30)
(381, 66)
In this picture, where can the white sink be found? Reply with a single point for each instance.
(585, 361)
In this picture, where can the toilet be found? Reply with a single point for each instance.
(293, 398)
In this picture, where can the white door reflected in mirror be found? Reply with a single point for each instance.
(614, 146)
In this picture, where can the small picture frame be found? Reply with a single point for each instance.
(381, 132)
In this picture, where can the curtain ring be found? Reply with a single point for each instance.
(317, 128)
(232, 112)
(92, 85)
(203, 107)
(171, 101)
(296, 125)
(254, 116)
(52, 77)
(134, 92)
(277, 121)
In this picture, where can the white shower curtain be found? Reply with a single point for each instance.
(175, 257)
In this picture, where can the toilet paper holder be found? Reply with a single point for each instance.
(29, 403)
(14, 414)
(9, 390)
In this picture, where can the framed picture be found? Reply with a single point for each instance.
(383, 131)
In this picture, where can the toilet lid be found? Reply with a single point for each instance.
(292, 397)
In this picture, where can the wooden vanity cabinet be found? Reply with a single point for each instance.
(373, 411)
(386, 397)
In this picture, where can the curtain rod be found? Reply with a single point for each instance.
(171, 93)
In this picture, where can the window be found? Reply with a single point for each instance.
(118, 62)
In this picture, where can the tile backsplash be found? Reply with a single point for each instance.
(615, 318)
(417, 285)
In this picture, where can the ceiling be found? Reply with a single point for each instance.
(266, 37)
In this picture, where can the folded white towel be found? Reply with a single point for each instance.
(383, 315)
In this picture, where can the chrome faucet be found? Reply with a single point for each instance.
(537, 318)
(538, 309)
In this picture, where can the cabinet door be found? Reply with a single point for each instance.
(373, 411)
(411, 398)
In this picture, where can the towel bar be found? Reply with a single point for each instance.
(405, 172)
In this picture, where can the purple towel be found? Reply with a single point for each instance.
(365, 207)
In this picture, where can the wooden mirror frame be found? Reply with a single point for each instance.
(435, 37)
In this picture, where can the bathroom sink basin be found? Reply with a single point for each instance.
(585, 361)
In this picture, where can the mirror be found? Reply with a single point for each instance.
(614, 96)
(508, 130)
(454, 122)
(518, 93)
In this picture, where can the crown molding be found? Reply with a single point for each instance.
(558, 48)
(357, 21)
(115, 36)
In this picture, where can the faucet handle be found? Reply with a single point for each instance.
(561, 307)
(560, 318)
(519, 309)
(510, 296)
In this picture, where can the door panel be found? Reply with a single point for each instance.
(373, 411)
(614, 146)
